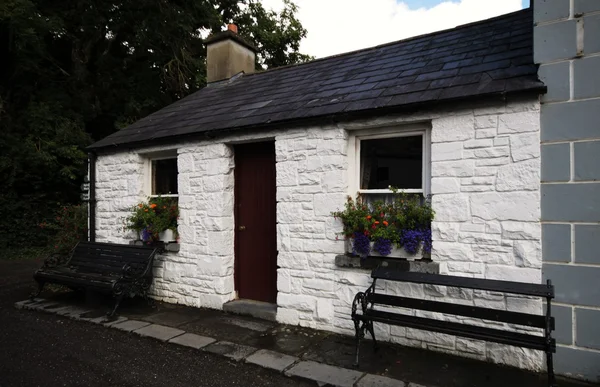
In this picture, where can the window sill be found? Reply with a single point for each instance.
(172, 247)
(419, 266)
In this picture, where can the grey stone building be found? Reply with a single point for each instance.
(567, 48)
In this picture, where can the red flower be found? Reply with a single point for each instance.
(373, 227)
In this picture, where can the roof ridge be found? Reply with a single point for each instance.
(405, 40)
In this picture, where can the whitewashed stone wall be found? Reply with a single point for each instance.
(485, 186)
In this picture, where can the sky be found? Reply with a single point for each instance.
(338, 26)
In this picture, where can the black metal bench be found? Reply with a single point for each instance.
(104, 267)
(364, 314)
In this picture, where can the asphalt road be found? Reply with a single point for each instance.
(39, 349)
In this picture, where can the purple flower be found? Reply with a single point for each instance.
(146, 234)
(412, 239)
(383, 246)
(361, 245)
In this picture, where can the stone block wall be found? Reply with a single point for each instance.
(485, 186)
(567, 47)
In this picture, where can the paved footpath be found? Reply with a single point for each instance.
(40, 349)
(66, 340)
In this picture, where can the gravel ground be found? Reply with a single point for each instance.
(46, 350)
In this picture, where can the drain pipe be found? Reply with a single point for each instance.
(92, 199)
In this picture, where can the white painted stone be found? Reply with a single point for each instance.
(446, 151)
(447, 232)
(462, 168)
(511, 273)
(485, 143)
(452, 128)
(519, 206)
(521, 230)
(528, 253)
(442, 185)
(451, 207)
(525, 146)
(489, 121)
(523, 176)
(518, 123)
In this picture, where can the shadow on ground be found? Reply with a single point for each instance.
(408, 364)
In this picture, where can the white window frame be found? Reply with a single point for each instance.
(149, 172)
(355, 139)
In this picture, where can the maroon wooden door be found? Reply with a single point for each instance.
(255, 222)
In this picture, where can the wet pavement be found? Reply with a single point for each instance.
(43, 349)
(417, 366)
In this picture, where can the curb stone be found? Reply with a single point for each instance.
(322, 374)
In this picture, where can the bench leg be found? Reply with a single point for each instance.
(360, 332)
(111, 314)
(550, 366)
(39, 291)
(372, 332)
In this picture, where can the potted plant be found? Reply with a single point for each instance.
(155, 220)
(399, 228)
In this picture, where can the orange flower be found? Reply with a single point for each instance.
(385, 222)
(153, 205)
(376, 222)
(146, 210)
(369, 217)
(140, 205)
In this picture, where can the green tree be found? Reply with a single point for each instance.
(72, 72)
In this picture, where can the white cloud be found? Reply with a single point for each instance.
(337, 26)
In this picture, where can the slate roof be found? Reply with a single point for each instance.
(490, 57)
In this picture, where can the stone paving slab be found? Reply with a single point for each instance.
(192, 340)
(108, 323)
(72, 311)
(130, 325)
(323, 373)
(231, 350)
(159, 332)
(380, 381)
(270, 359)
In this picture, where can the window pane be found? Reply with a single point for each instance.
(164, 177)
(396, 162)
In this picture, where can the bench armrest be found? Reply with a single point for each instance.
(130, 272)
(53, 260)
(360, 300)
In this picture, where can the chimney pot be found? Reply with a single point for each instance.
(232, 28)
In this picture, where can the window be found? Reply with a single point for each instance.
(161, 177)
(164, 177)
(385, 158)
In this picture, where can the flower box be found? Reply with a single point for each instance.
(378, 228)
(395, 253)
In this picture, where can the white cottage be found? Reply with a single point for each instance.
(259, 161)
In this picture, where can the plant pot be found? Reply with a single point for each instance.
(395, 253)
(166, 236)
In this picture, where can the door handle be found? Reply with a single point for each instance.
(242, 228)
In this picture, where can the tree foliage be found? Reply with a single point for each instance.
(72, 72)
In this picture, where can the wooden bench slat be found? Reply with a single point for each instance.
(458, 329)
(116, 246)
(525, 289)
(105, 260)
(532, 320)
(127, 255)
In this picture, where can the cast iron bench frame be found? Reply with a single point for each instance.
(368, 299)
(107, 268)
